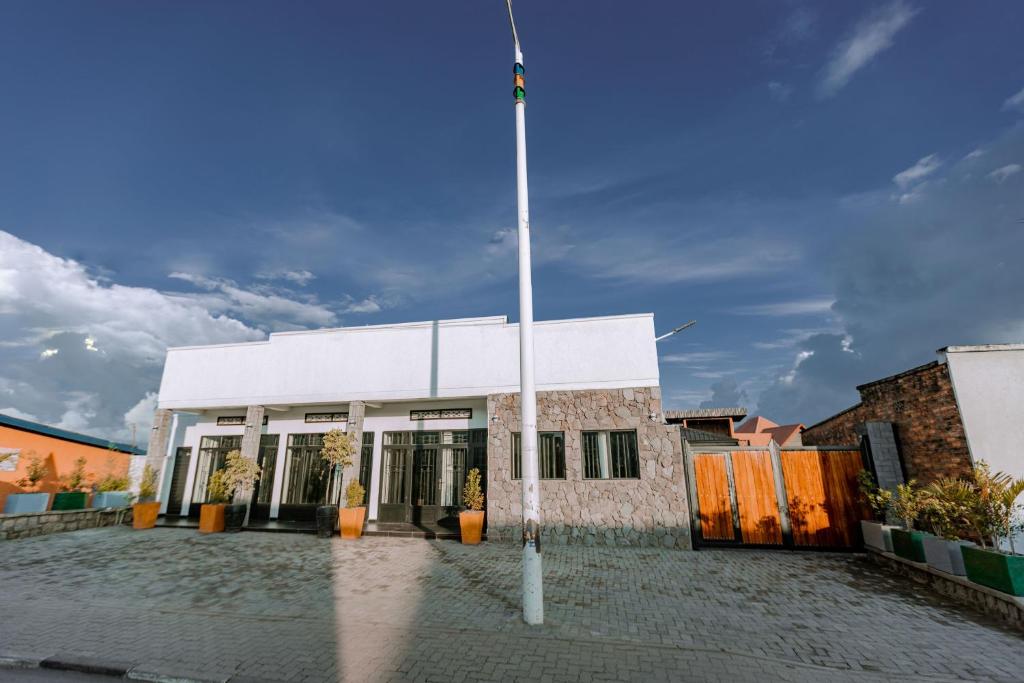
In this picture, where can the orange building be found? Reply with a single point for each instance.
(58, 450)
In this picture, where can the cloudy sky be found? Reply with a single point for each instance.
(833, 190)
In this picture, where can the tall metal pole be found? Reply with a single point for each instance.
(533, 587)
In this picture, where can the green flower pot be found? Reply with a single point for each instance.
(75, 500)
(1003, 572)
(909, 544)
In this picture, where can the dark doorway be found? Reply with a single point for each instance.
(182, 457)
(424, 472)
(264, 487)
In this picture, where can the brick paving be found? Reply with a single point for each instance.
(261, 606)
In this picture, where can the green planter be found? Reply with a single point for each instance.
(909, 544)
(1003, 572)
(69, 501)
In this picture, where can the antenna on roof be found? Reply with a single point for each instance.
(676, 330)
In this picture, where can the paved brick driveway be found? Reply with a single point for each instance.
(290, 607)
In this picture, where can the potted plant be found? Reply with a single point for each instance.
(947, 512)
(471, 520)
(35, 472)
(239, 474)
(72, 495)
(112, 491)
(336, 453)
(354, 513)
(907, 504)
(993, 517)
(876, 532)
(211, 514)
(144, 512)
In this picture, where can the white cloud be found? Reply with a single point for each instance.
(1015, 101)
(299, 277)
(925, 166)
(21, 415)
(275, 309)
(48, 353)
(814, 305)
(971, 156)
(140, 416)
(873, 35)
(695, 357)
(1003, 172)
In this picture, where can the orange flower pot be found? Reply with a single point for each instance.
(471, 523)
(144, 515)
(352, 522)
(211, 518)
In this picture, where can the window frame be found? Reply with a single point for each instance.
(620, 466)
(516, 450)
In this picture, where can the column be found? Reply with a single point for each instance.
(159, 436)
(250, 450)
(354, 428)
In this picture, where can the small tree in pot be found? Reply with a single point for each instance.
(240, 474)
(877, 534)
(354, 513)
(995, 515)
(947, 512)
(144, 512)
(211, 514)
(336, 453)
(471, 520)
(72, 494)
(908, 503)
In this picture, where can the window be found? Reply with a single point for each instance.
(551, 447)
(442, 414)
(233, 420)
(267, 460)
(308, 480)
(213, 452)
(326, 417)
(610, 455)
(366, 465)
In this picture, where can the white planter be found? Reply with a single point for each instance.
(112, 499)
(945, 555)
(19, 503)
(876, 535)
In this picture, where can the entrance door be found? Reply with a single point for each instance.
(424, 472)
(177, 493)
(264, 487)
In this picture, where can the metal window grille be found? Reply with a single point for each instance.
(611, 455)
(551, 452)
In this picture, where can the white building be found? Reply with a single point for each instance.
(428, 401)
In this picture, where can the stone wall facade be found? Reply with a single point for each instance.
(922, 408)
(649, 511)
(42, 523)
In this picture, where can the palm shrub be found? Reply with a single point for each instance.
(878, 499)
(472, 495)
(995, 508)
(908, 502)
(948, 508)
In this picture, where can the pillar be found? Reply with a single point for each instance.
(159, 437)
(356, 413)
(250, 450)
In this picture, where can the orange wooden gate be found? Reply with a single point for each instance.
(804, 497)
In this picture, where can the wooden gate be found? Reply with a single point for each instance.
(767, 497)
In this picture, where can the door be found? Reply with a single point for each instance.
(423, 474)
(263, 489)
(182, 457)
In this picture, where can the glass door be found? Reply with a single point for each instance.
(213, 452)
(263, 489)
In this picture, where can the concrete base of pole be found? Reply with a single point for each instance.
(533, 586)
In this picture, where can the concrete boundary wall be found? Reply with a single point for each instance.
(53, 522)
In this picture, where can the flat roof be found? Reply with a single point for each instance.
(981, 347)
(695, 413)
(57, 433)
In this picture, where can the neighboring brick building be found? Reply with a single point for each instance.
(922, 407)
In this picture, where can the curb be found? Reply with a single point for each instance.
(85, 665)
(111, 668)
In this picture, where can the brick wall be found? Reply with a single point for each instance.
(922, 408)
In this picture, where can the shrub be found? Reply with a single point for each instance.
(35, 472)
(908, 503)
(147, 486)
(75, 479)
(994, 506)
(472, 496)
(948, 507)
(354, 494)
(337, 452)
(879, 500)
(217, 490)
(239, 472)
(113, 482)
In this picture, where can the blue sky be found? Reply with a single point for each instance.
(832, 190)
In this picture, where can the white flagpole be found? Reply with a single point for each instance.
(533, 587)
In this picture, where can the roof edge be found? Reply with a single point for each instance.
(58, 433)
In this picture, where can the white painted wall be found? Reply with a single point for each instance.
(988, 382)
(443, 359)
